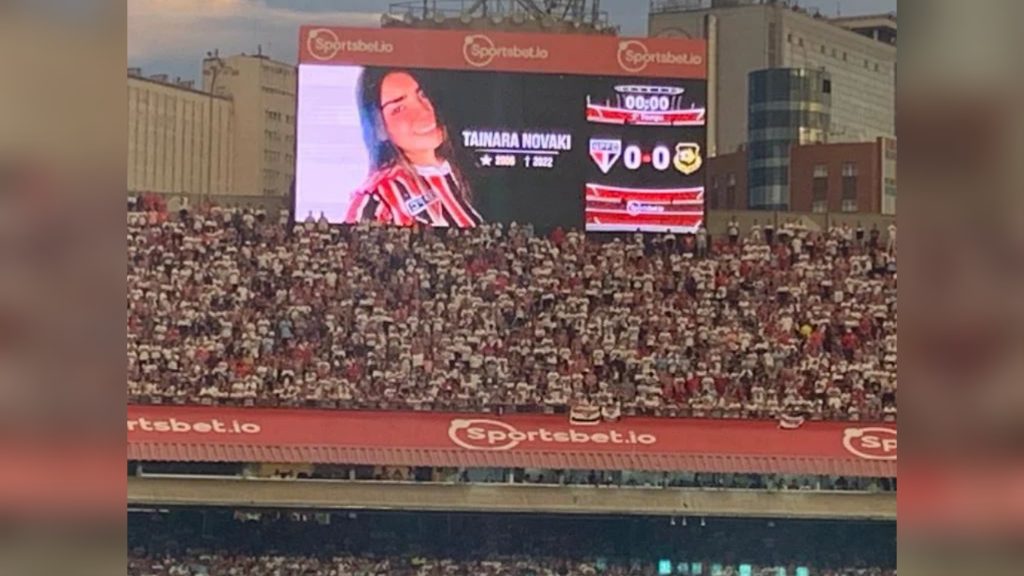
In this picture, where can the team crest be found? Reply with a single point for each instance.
(605, 153)
(418, 204)
(687, 158)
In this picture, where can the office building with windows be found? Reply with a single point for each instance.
(859, 55)
(263, 93)
(858, 177)
(180, 140)
(787, 107)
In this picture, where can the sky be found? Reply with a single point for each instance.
(172, 36)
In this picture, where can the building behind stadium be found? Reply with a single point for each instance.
(233, 134)
(781, 77)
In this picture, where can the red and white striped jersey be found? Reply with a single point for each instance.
(395, 196)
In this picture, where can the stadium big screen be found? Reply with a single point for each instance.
(454, 128)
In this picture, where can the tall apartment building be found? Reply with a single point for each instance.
(180, 140)
(859, 55)
(263, 93)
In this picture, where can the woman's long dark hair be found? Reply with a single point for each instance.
(383, 153)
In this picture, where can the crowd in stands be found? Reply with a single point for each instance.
(224, 542)
(242, 307)
(227, 564)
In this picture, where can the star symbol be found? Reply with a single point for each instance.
(486, 160)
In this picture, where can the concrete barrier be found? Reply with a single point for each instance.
(327, 494)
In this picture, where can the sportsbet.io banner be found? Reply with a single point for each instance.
(416, 438)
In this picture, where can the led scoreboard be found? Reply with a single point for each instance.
(647, 147)
(646, 106)
(455, 128)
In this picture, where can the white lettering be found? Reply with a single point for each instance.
(542, 141)
(517, 141)
(483, 434)
(490, 139)
(480, 50)
(176, 426)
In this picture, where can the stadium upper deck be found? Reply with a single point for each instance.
(240, 307)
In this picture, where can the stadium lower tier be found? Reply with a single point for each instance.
(309, 543)
(533, 476)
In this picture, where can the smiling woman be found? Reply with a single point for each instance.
(412, 177)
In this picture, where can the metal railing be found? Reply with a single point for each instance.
(584, 12)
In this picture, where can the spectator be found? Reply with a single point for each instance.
(734, 231)
(702, 241)
(236, 306)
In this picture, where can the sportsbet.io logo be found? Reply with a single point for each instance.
(324, 44)
(479, 51)
(634, 56)
(492, 435)
(872, 443)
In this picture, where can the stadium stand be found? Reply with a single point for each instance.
(282, 565)
(240, 307)
(308, 543)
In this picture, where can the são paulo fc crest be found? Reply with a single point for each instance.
(605, 152)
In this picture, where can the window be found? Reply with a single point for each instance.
(844, 56)
(272, 135)
(822, 48)
(826, 86)
(866, 63)
(789, 38)
(289, 159)
(876, 66)
(849, 203)
(273, 116)
(819, 189)
(835, 53)
(730, 198)
(800, 42)
(271, 157)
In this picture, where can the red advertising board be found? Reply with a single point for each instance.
(475, 440)
(503, 51)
